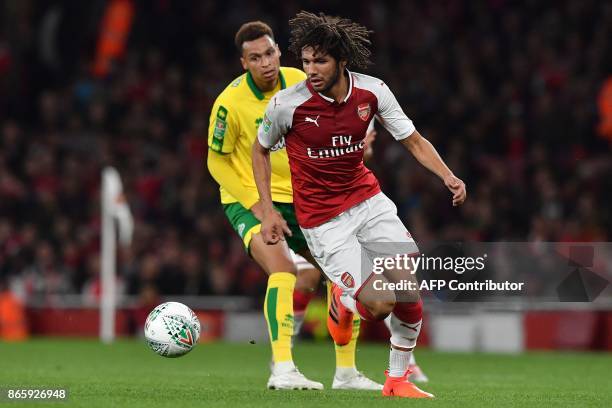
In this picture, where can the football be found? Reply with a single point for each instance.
(172, 329)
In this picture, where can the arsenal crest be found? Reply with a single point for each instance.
(347, 278)
(363, 111)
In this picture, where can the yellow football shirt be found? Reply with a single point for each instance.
(234, 120)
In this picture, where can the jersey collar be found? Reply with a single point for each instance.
(332, 100)
(258, 94)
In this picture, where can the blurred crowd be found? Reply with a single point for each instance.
(506, 91)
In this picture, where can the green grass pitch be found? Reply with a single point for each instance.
(127, 374)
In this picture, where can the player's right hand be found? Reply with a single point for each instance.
(274, 227)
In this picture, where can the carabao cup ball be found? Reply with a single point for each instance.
(172, 329)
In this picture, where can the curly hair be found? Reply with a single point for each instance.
(339, 37)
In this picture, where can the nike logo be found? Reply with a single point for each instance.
(311, 120)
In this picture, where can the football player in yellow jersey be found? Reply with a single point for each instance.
(234, 120)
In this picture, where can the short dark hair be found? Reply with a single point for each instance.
(251, 31)
(339, 37)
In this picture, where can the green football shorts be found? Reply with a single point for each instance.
(246, 224)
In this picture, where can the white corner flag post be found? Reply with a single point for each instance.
(115, 212)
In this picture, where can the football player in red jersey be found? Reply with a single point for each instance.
(340, 207)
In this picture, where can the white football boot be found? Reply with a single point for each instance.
(351, 379)
(291, 380)
(417, 375)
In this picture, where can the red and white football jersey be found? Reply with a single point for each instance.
(325, 142)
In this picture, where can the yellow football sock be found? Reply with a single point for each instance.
(345, 355)
(278, 309)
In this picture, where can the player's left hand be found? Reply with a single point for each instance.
(457, 187)
(274, 227)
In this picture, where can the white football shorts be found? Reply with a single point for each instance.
(346, 245)
(300, 262)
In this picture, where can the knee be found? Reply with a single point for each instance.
(380, 309)
(279, 265)
(272, 258)
(411, 296)
(289, 268)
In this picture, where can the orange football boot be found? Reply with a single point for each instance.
(340, 318)
(401, 387)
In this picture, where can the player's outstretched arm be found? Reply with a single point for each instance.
(428, 156)
(225, 175)
(223, 134)
(273, 226)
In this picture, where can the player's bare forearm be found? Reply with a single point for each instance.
(262, 172)
(273, 226)
(428, 156)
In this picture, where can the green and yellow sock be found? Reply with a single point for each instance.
(278, 309)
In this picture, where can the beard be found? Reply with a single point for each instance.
(333, 80)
